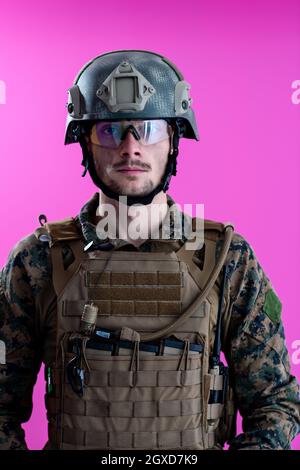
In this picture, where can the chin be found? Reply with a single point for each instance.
(136, 193)
(130, 188)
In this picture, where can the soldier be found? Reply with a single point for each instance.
(131, 329)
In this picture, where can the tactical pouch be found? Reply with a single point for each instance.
(135, 401)
(217, 386)
(227, 424)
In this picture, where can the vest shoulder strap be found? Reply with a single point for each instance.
(61, 230)
(213, 232)
(213, 224)
(201, 270)
(67, 229)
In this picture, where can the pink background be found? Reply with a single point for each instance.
(240, 58)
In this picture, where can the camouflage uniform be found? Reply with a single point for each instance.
(266, 394)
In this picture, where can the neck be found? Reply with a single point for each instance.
(133, 223)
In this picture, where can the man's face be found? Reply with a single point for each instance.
(132, 168)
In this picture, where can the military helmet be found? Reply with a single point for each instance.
(129, 85)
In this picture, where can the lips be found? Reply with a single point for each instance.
(131, 170)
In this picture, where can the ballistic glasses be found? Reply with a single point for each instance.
(147, 132)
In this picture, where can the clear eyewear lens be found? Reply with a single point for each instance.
(111, 134)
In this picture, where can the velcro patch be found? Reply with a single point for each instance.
(272, 306)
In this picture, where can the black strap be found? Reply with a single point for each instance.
(215, 358)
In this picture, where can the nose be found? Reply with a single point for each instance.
(130, 146)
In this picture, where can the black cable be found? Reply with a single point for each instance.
(215, 358)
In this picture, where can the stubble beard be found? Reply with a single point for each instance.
(133, 191)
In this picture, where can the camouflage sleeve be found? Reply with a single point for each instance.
(267, 395)
(20, 279)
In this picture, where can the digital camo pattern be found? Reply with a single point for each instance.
(267, 396)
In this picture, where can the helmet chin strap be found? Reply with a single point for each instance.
(88, 163)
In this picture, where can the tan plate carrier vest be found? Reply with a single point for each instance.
(138, 400)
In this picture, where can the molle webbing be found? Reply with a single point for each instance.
(137, 400)
(205, 280)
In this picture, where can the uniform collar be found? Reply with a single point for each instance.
(177, 225)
